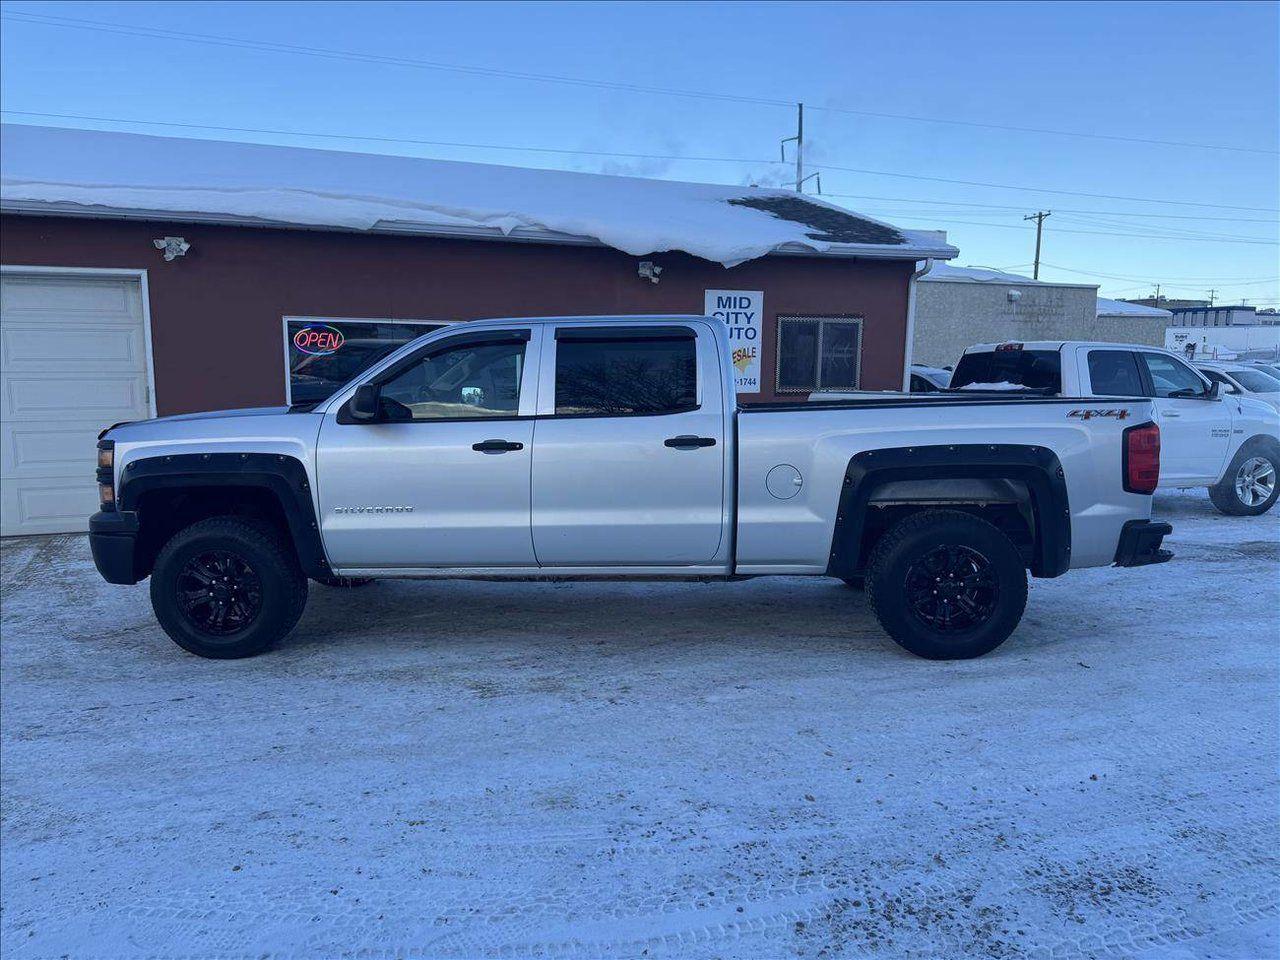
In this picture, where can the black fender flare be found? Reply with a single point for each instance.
(1037, 467)
(283, 476)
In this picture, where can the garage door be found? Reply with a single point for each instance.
(73, 359)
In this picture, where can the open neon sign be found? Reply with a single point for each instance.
(319, 339)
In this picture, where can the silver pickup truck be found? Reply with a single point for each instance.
(614, 447)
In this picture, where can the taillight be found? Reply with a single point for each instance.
(1142, 458)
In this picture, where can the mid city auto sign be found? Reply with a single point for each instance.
(741, 311)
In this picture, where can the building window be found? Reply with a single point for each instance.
(819, 354)
(323, 353)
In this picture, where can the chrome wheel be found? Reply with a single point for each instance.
(1255, 481)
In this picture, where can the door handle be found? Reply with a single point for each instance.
(497, 446)
(1171, 416)
(689, 442)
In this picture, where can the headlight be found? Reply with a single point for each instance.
(106, 474)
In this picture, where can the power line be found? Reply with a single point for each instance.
(1239, 281)
(640, 156)
(1064, 193)
(1019, 207)
(334, 54)
(376, 139)
(1087, 233)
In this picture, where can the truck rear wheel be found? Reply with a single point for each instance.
(1249, 487)
(946, 585)
(227, 587)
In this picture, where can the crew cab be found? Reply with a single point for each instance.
(614, 447)
(1224, 440)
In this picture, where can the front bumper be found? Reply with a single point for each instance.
(1140, 543)
(113, 540)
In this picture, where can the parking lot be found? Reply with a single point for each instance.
(478, 769)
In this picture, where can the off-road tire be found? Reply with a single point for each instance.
(343, 583)
(906, 545)
(283, 586)
(1223, 494)
(855, 583)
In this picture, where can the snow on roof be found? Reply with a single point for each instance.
(53, 170)
(946, 273)
(1120, 308)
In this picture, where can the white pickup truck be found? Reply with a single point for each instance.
(1225, 441)
(613, 447)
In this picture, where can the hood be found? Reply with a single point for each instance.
(128, 425)
(1265, 405)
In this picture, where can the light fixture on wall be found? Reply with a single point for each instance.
(649, 271)
(1015, 296)
(173, 247)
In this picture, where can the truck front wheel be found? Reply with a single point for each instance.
(946, 585)
(227, 587)
(1249, 487)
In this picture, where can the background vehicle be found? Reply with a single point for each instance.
(1270, 367)
(929, 379)
(614, 447)
(1228, 442)
(1252, 381)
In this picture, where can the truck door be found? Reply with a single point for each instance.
(442, 479)
(629, 446)
(1195, 430)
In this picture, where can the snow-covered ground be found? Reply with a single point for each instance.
(623, 770)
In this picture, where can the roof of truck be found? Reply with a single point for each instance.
(1059, 344)
(55, 171)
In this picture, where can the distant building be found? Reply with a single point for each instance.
(1217, 316)
(957, 307)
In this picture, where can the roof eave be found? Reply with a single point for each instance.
(462, 232)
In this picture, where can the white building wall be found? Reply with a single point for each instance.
(951, 316)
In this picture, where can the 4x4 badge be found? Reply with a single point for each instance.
(1119, 413)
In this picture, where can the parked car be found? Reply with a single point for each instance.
(1266, 366)
(1245, 379)
(615, 447)
(1227, 441)
(929, 379)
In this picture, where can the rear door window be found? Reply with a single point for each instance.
(1002, 369)
(1115, 373)
(614, 374)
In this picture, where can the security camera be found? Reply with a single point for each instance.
(173, 247)
(649, 271)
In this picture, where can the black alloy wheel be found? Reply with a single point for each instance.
(952, 589)
(219, 593)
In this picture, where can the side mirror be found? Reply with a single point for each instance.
(366, 404)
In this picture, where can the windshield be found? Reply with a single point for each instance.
(996, 369)
(1255, 381)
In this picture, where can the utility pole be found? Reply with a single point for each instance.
(1038, 217)
(798, 140)
(1157, 297)
(1211, 296)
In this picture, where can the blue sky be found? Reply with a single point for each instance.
(1181, 72)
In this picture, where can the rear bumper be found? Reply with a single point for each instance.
(1140, 543)
(113, 540)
